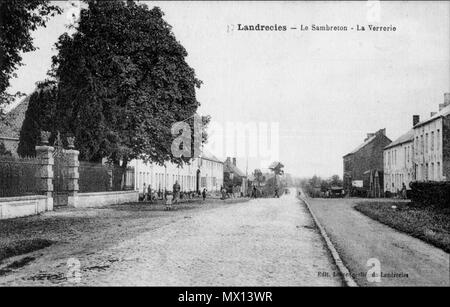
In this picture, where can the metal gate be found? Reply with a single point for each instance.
(60, 174)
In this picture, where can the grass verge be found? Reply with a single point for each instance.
(429, 224)
(21, 247)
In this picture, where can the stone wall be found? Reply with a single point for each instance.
(11, 207)
(100, 199)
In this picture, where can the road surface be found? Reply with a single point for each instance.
(263, 242)
(405, 260)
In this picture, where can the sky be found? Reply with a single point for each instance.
(318, 93)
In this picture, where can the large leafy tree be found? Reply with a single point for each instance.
(18, 19)
(123, 81)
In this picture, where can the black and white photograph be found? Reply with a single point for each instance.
(224, 149)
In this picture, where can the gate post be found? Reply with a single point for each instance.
(44, 176)
(72, 176)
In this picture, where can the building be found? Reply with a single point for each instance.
(363, 167)
(234, 177)
(12, 124)
(432, 145)
(398, 162)
(203, 172)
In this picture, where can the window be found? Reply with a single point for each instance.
(438, 139)
(421, 144)
(432, 141)
(203, 180)
(406, 155)
(426, 142)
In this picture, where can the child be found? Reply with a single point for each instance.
(168, 202)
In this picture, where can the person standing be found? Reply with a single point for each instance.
(404, 195)
(149, 192)
(144, 192)
(204, 194)
(223, 191)
(176, 191)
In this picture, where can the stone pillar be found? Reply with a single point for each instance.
(72, 176)
(45, 174)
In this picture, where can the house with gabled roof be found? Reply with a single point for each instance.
(363, 166)
(234, 177)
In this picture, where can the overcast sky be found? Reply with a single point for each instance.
(325, 90)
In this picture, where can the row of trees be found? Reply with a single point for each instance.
(117, 85)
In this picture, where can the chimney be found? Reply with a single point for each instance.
(228, 161)
(446, 99)
(416, 119)
(441, 106)
(369, 135)
(432, 114)
(382, 131)
(234, 161)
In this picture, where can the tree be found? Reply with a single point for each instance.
(259, 178)
(40, 116)
(122, 82)
(18, 19)
(277, 168)
(335, 180)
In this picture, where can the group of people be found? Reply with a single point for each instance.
(233, 192)
(170, 198)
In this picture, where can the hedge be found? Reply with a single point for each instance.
(430, 193)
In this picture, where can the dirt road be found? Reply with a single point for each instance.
(263, 242)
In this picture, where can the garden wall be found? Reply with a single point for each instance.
(99, 199)
(11, 207)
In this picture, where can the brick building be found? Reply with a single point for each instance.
(363, 167)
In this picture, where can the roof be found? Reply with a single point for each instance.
(362, 145)
(11, 126)
(405, 138)
(444, 112)
(209, 156)
(231, 168)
